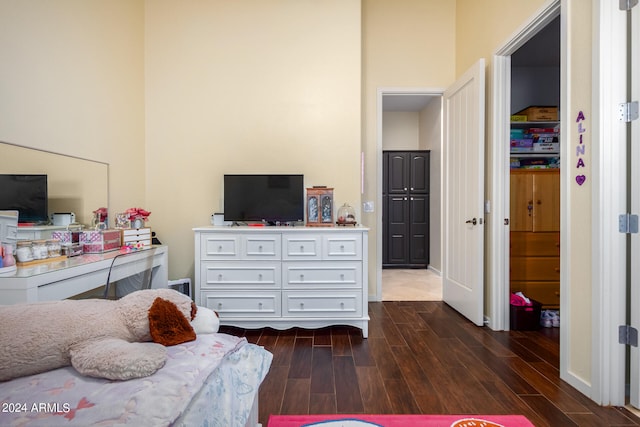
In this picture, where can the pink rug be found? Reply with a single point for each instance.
(399, 421)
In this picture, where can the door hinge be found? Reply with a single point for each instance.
(628, 224)
(628, 4)
(628, 111)
(627, 335)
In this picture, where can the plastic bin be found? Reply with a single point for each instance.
(525, 317)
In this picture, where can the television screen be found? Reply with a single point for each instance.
(269, 198)
(27, 194)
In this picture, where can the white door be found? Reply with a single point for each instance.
(634, 184)
(463, 194)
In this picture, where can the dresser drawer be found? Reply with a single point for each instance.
(219, 246)
(261, 246)
(535, 244)
(547, 293)
(242, 304)
(322, 274)
(240, 274)
(321, 304)
(336, 246)
(301, 246)
(535, 268)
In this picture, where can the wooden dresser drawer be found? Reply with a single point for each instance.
(547, 293)
(535, 268)
(535, 244)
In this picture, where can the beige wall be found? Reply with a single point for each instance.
(72, 80)
(247, 87)
(400, 130)
(406, 44)
(172, 95)
(431, 139)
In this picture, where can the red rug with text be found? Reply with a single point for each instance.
(399, 421)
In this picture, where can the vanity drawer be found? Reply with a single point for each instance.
(535, 244)
(323, 274)
(240, 275)
(242, 304)
(321, 303)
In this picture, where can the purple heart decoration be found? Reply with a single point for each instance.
(580, 179)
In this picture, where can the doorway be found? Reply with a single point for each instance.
(410, 120)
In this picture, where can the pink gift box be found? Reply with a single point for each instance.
(98, 241)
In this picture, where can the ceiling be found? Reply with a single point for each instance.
(542, 50)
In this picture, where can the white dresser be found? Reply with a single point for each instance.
(283, 277)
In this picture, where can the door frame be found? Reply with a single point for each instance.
(501, 113)
(606, 385)
(420, 91)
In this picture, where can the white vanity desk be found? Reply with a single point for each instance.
(58, 280)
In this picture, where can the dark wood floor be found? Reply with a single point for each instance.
(423, 358)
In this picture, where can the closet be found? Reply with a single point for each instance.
(534, 266)
(405, 209)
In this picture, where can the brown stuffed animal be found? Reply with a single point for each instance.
(99, 338)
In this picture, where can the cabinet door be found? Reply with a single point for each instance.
(419, 230)
(546, 202)
(521, 202)
(419, 173)
(397, 173)
(398, 223)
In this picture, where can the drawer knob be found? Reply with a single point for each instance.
(260, 248)
(301, 306)
(301, 248)
(220, 248)
(557, 270)
(260, 305)
(342, 306)
(341, 248)
(302, 277)
(342, 277)
(219, 306)
(260, 276)
(220, 277)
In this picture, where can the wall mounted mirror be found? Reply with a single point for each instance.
(74, 184)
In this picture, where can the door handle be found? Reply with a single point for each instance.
(471, 221)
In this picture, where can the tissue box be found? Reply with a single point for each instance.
(98, 241)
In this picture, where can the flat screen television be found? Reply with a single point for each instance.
(266, 198)
(27, 194)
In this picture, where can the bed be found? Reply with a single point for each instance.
(212, 381)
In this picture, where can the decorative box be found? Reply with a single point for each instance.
(320, 206)
(136, 236)
(66, 237)
(98, 241)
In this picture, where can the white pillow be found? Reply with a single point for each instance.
(206, 321)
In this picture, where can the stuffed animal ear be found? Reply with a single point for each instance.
(167, 324)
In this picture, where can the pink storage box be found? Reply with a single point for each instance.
(98, 241)
(66, 236)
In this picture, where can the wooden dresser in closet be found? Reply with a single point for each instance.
(535, 234)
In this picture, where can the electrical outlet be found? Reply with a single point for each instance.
(368, 206)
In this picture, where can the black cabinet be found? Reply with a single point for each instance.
(405, 213)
